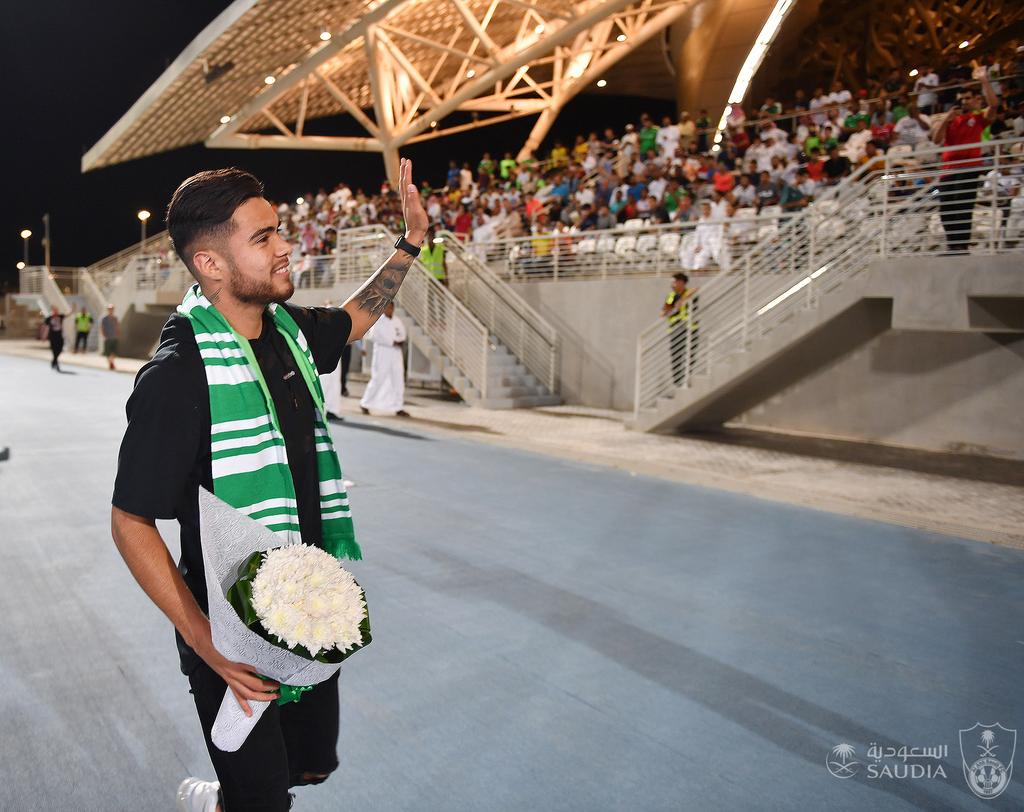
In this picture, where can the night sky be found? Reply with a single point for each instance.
(74, 67)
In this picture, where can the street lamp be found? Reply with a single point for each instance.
(143, 217)
(25, 234)
(21, 266)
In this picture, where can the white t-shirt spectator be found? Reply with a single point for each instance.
(840, 97)
(668, 140)
(816, 104)
(926, 97)
(855, 144)
(744, 195)
(465, 179)
(630, 143)
(657, 187)
(585, 196)
(761, 153)
(808, 187)
(907, 131)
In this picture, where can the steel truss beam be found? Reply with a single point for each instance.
(567, 48)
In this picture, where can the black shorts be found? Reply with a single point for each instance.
(288, 741)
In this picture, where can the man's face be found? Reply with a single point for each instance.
(678, 285)
(972, 102)
(389, 310)
(256, 256)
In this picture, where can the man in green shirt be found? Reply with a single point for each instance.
(648, 135)
(485, 171)
(507, 166)
(850, 123)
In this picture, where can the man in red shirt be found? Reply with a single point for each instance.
(962, 166)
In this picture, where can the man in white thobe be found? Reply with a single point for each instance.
(385, 393)
(708, 244)
(331, 384)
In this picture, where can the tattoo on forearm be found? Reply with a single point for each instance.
(381, 288)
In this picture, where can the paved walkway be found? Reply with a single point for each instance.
(971, 498)
(548, 634)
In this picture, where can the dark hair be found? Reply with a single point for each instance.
(681, 277)
(203, 204)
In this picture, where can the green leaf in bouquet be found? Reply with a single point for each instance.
(240, 593)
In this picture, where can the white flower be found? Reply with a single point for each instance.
(304, 596)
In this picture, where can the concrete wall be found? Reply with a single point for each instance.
(941, 391)
(710, 43)
(598, 322)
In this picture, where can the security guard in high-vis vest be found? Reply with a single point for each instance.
(676, 310)
(83, 324)
(677, 306)
(432, 257)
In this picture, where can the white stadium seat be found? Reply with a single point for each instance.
(625, 246)
(646, 244)
(669, 243)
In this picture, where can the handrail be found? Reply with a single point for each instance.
(38, 280)
(159, 243)
(527, 334)
(757, 119)
(447, 322)
(894, 209)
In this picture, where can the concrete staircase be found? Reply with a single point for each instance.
(956, 294)
(509, 384)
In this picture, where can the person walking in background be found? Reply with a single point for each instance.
(110, 332)
(962, 168)
(83, 324)
(55, 333)
(386, 390)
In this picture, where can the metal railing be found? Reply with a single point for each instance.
(929, 201)
(36, 280)
(456, 332)
(107, 270)
(635, 248)
(527, 334)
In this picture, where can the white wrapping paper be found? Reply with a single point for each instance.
(228, 538)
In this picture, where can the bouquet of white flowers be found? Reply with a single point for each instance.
(291, 612)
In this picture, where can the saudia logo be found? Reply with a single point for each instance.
(987, 752)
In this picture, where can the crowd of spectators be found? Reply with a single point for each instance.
(777, 155)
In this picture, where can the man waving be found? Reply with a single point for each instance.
(231, 402)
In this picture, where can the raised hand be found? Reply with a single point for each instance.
(413, 213)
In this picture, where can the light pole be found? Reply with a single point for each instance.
(25, 234)
(143, 217)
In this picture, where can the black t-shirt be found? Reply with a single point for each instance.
(165, 454)
(55, 325)
(836, 167)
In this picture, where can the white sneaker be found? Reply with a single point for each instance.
(196, 795)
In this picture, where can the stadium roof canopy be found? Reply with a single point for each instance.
(264, 68)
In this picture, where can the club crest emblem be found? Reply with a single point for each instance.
(842, 761)
(987, 753)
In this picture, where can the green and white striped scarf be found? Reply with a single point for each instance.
(250, 463)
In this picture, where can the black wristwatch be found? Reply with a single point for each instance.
(402, 244)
